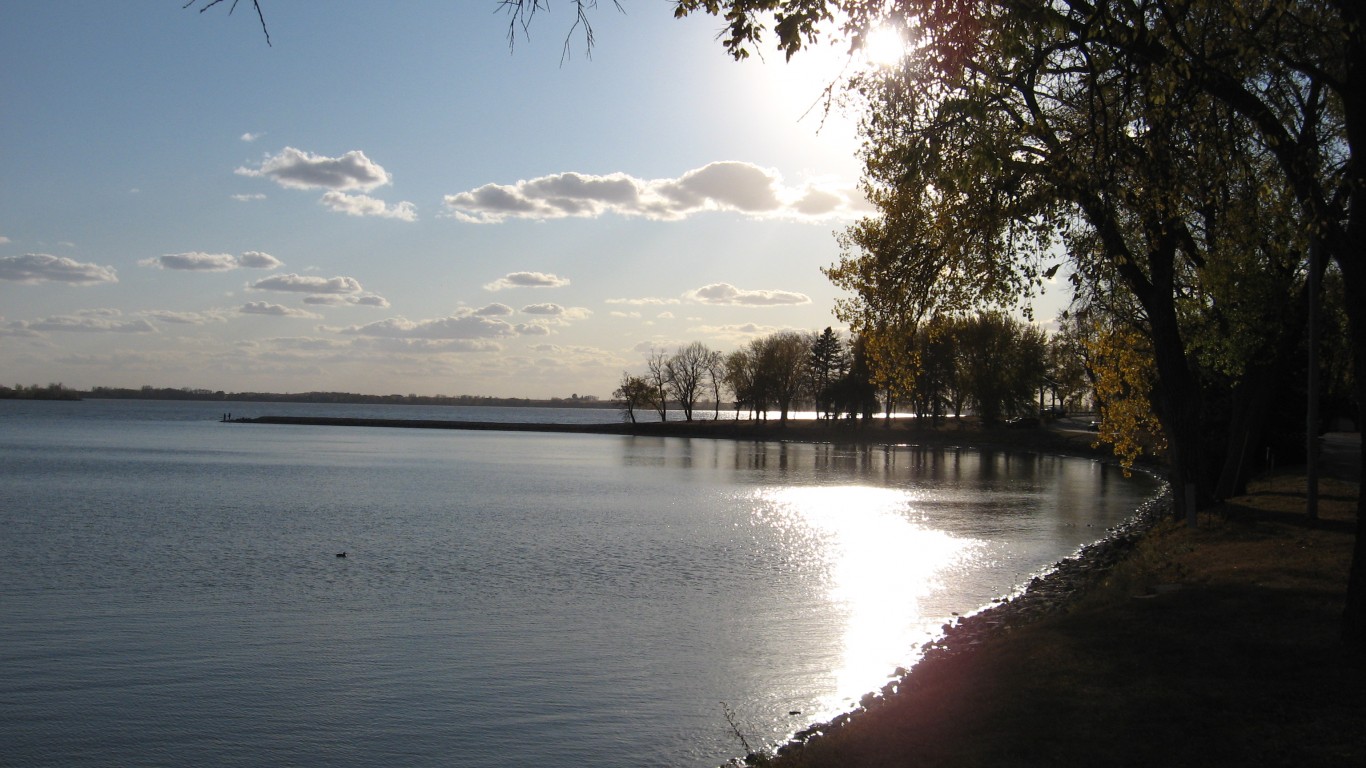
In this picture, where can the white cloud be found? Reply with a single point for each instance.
(248, 198)
(250, 137)
(527, 280)
(333, 300)
(494, 310)
(561, 315)
(259, 260)
(183, 318)
(463, 324)
(274, 310)
(727, 294)
(369, 300)
(43, 267)
(198, 261)
(193, 261)
(91, 321)
(738, 332)
(297, 169)
(554, 310)
(292, 283)
(533, 329)
(645, 302)
(364, 205)
(719, 186)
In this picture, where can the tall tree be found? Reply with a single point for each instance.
(828, 364)
(657, 376)
(782, 364)
(685, 375)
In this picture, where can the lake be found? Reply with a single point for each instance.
(171, 592)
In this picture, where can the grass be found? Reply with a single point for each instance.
(1209, 646)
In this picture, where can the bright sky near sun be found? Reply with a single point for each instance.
(388, 200)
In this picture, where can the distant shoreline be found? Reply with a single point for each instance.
(1049, 439)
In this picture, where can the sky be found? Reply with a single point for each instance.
(388, 199)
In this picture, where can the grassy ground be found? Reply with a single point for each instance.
(1213, 646)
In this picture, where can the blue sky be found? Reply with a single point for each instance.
(388, 200)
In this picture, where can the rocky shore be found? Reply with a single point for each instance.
(1043, 595)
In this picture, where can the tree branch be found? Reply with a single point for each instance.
(255, 3)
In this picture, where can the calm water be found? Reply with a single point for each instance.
(170, 594)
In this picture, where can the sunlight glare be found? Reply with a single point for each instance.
(885, 47)
(881, 561)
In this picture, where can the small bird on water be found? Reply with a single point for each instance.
(341, 554)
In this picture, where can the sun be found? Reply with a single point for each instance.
(884, 46)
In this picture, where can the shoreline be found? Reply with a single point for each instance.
(902, 432)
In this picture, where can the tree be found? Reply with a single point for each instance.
(782, 363)
(741, 377)
(1000, 365)
(685, 374)
(658, 380)
(633, 394)
(828, 365)
(716, 372)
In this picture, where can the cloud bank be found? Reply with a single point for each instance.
(720, 186)
(88, 321)
(464, 324)
(46, 268)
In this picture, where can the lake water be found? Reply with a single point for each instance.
(170, 592)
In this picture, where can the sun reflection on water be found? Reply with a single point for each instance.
(880, 560)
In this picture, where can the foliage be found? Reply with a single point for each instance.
(632, 395)
(828, 364)
(1125, 375)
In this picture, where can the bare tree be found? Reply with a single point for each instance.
(685, 373)
(658, 379)
(716, 373)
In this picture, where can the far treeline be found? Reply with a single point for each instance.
(58, 391)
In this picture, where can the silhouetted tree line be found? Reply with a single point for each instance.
(169, 393)
(35, 392)
(988, 364)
